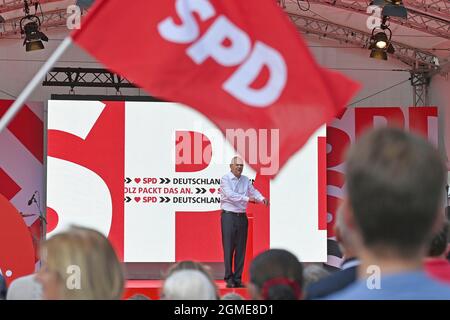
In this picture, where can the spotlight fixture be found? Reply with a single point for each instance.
(378, 54)
(30, 27)
(391, 8)
(84, 4)
(380, 43)
(380, 40)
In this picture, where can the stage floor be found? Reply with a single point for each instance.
(151, 288)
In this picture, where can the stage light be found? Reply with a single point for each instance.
(391, 8)
(378, 54)
(84, 3)
(34, 45)
(381, 3)
(390, 49)
(377, 3)
(30, 28)
(380, 43)
(380, 40)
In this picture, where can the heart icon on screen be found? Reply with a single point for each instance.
(137, 180)
(137, 199)
(212, 190)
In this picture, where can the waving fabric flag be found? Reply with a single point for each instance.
(240, 63)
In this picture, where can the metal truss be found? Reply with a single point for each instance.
(423, 64)
(326, 29)
(102, 78)
(85, 77)
(420, 82)
(11, 5)
(50, 19)
(432, 18)
(439, 8)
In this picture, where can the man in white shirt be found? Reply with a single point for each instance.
(236, 191)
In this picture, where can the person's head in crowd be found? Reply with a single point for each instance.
(312, 273)
(80, 264)
(138, 296)
(276, 274)
(343, 235)
(193, 265)
(188, 285)
(447, 211)
(439, 243)
(394, 185)
(25, 288)
(232, 296)
(189, 265)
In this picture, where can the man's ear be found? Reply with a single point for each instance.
(348, 214)
(337, 233)
(337, 221)
(438, 222)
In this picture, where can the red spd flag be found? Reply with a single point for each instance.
(240, 63)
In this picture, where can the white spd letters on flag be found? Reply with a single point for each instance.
(188, 31)
(239, 83)
(237, 52)
(210, 44)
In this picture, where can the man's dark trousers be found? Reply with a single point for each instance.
(234, 241)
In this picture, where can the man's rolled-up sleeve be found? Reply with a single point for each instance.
(228, 193)
(255, 193)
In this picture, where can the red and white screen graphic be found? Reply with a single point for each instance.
(347, 128)
(147, 175)
(21, 178)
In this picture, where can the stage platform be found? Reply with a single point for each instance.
(152, 288)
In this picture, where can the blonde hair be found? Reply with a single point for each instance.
(101, 273)
(193, 265)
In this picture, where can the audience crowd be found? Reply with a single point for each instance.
(392, 230)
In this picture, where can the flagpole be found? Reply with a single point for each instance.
(18, 104)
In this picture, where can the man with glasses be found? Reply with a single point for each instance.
(236, 191)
